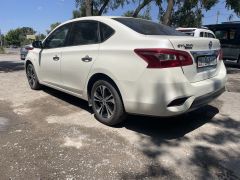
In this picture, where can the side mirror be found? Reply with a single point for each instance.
(37, 44)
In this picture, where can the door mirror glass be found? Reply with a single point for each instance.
(37, 44)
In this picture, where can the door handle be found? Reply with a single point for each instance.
(86, 59)
(56, 58)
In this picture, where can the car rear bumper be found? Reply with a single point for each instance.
(205, 99)
(23, 56)
(169, 93)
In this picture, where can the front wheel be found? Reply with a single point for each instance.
(106, 103)
(32, 77)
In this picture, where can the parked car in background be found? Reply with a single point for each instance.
(14, 46)
(24, 50)
(229, 35)
(197, 32)
(127, 65)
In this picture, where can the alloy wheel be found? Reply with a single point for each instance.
(31, 75)
(104, 101)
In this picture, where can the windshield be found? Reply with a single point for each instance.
(148, 27)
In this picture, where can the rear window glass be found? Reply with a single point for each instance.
(232, 34)
(187, 32)
(221, 34)
(148, 27)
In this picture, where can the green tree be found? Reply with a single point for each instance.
(145, 15)
(53, 26)
(2, 40)
(189, 13)
(40, 37)
(96, 7)
(18, 36)
(233, 5)
(186, 13)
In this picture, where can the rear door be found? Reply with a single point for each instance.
(205, 54)
(79, 55)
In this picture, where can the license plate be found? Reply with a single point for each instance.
(205, 61)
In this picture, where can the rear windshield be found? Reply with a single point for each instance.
(187, 32)
(148, 27)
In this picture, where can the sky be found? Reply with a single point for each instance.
(39, 14)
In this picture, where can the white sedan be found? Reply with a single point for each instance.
(125, 65)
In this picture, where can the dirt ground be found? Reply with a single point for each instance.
(47, 134)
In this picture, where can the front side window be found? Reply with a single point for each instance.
(84, 32)
(148, 27)
(58, 37)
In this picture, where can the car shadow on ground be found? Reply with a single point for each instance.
(68, 98)
(172, 127)
(159, 127)
(11, 66)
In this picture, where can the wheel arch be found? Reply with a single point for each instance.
(27, 62)
(101, 76)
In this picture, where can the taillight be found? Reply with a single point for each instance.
(220, 54)
(164, 58)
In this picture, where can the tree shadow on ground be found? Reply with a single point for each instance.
(157, 135)
(11, 66)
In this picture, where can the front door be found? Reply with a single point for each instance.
(50, 57)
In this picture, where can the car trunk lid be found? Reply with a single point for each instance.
(205, 54)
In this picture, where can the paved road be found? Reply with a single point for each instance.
(50, 135)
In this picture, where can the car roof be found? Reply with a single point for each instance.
(186, 29)
(95, 18)
(193, 29)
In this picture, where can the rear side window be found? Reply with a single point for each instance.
(148, 28)
(105, 32)
(201, 34)
(84, 32)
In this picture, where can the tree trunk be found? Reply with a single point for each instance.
(103, 7)
(168, 13)
(140, 7)
(88, 6)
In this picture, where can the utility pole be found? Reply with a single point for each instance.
(218, 13)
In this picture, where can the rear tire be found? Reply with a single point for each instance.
(106, 103)
(32, 77)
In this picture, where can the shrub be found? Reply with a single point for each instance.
(2, 51)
